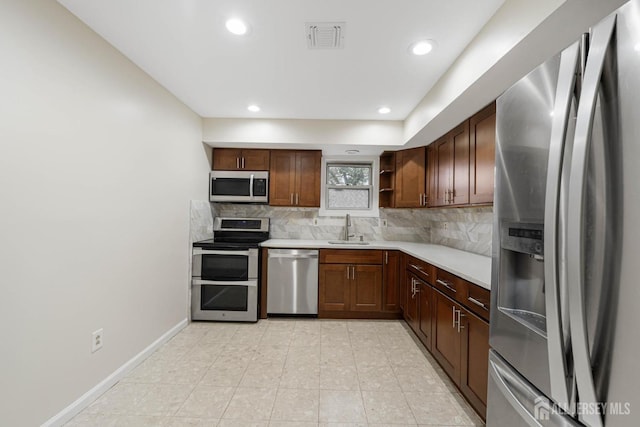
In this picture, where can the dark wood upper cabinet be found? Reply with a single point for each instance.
(482, 130)
(443, 157)
(282, 178)
(294, 178)
(308, 168)
(432, 162)
(460, 169)
(410, 178)
(240, 159)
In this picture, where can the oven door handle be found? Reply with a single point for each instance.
(197, 251)
(250, 284)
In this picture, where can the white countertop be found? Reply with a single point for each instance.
(472, 267)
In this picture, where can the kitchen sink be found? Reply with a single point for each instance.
(347, 242)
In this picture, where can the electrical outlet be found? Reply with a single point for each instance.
(445, 225)
(315, 221)
(96, 340)
(383, 222)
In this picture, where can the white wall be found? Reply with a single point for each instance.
(520, 36)
(333, 136)
(97, 167)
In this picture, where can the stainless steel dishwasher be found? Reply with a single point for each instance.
(292, 281)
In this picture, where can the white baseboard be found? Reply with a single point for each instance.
(86, 399)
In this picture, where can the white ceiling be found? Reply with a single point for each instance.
(184, 45)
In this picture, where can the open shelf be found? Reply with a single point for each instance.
(387, 179)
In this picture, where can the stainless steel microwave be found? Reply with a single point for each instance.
(239, 186)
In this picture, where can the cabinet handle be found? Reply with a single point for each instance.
(292, 199)
(426, 199)
(237, 163)
(420, 269)
(460, 316)
(453, 315)
(348, 273)
(297, 199)
(243, 163)
(386, 257)
(353, 272)
(476, 302)
(446, 285)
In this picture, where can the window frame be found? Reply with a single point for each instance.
(373, 162)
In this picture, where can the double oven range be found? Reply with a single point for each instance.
(224, 283)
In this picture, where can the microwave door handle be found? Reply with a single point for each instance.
(250, 183)
(198, 251)
(595, 73)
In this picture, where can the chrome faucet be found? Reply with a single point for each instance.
(346, 228)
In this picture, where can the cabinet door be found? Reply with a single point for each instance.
(482, 155)
(425, 314)
(308, 164)
(410, 177)
(390, 283)
(432, 169)
(475, 361)
(282, 178)
(366, 288)
(459, 138)
(226, 159)
(255, 160)
(443, 164)
(412, 306)
(445, 344)
(333, 287)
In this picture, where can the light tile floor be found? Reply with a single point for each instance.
(283, 372)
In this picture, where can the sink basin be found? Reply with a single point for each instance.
(347, 242)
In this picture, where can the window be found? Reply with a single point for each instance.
(349, 185)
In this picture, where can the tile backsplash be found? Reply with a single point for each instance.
(468, 229)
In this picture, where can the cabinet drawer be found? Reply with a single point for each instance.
(478, 300)
(451, 285)
(425, 271)
(350, 256)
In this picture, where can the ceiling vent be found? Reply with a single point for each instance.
(325, 35)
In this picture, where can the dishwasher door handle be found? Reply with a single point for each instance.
(293, 256)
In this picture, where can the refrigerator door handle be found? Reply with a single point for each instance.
(600, 42)
(562, 106)
(499, 376)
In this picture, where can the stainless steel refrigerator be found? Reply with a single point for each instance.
(565, 334)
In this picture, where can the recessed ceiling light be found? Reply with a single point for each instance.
(253, 108)
(352, 151)
(236, 26)
(384, 110)
(422, 47)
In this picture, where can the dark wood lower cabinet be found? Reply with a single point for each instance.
(390, 283)
(475, 360)
(412, 304)
(334, 287)
(366, 288)
(456, 337)
(446, 343)
(425, 316)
